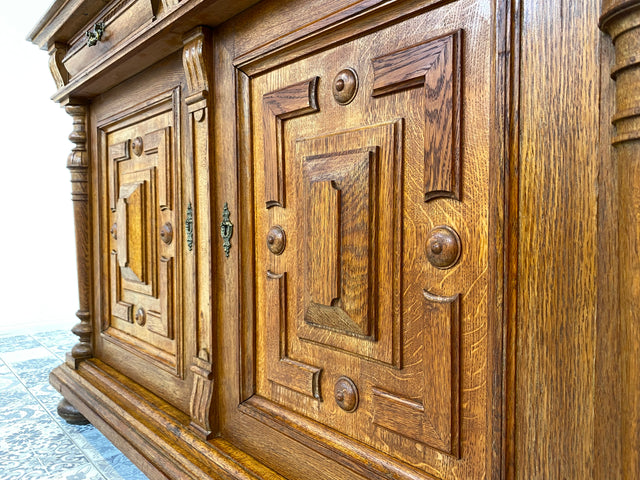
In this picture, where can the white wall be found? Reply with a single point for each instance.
(38, 286)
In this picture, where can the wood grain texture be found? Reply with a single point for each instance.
(415, 349)
(136, 421)
(341, 211)
(527, 365)
(58, 71)
(197, 65)
(236, 290)
(608, 414)
(435, 66)
(557, 211)
(621, 20)
(144, 271)
(120, 19)
(503, 222)
(286, 103)
(78, 164)
(144, 120)
(138, 51)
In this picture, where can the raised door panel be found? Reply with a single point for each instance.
(370, 164)
(142, 327)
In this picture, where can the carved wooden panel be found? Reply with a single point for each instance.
(362, 346)
(140, 148)
(433, 66)
(278, 106)
(351, 186)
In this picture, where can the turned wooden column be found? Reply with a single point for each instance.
(621, 20)
(78, 164)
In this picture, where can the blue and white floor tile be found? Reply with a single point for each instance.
(35, 443)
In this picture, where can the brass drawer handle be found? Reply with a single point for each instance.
(95, 35)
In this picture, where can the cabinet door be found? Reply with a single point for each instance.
(370, 163)
(142, 329)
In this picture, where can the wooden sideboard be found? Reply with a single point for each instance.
(355, 239)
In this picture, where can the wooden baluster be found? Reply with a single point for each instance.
(78, 164)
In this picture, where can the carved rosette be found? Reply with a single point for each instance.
(78, 165)
(621, 20)
(196, 60)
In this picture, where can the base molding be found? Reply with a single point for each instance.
(154, 435)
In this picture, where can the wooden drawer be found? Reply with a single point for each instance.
(121, 21)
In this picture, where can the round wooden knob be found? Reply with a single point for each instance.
(345, 86)
(443, 247)
(136, 146)
(276, 240)
(346, 394)
(141, 316)
(166, 233)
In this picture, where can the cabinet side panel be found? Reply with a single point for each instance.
(559, 121)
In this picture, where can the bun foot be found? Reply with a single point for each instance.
(70, 414)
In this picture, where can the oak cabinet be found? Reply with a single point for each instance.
(309, 244)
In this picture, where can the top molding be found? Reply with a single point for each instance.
(66, 19)
(63, 19)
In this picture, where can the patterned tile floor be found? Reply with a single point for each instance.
(34, 442)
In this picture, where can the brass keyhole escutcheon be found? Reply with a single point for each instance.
(226, 229)
(345, 393)
(345, 86)
(141, 316)
(276, 240)
(443, 247)
(188, 227)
